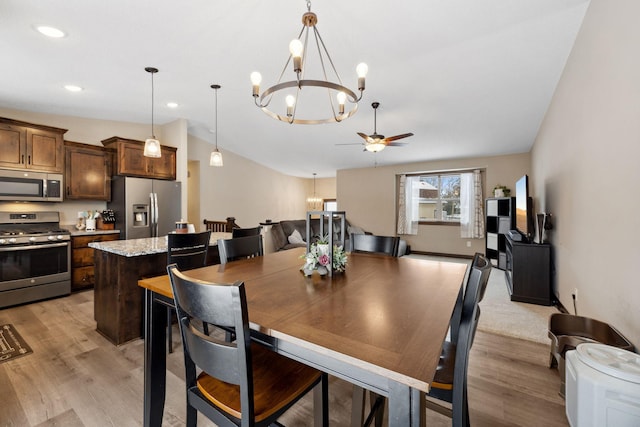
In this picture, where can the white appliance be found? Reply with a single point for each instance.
(145, 207)
(602, 386)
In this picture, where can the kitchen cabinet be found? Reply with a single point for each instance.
(30, 146)
(130, 159)
(82, 259)
(87, 172)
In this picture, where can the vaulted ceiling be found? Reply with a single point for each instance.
(467, 77)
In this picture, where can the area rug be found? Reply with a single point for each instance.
(12, 345)
(500, 315)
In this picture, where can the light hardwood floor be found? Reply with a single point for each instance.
(75, 377)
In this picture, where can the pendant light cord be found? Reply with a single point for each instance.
(153, 134)
(216, 118)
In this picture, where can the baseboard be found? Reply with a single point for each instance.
(441, 254)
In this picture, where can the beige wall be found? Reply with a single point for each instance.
(585, 168)
(368, 196)
(246, 190)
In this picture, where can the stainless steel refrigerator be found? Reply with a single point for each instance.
(145, 207)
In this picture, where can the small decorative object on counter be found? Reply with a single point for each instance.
(182, 227)
(321, 259)
(106, 220)
(501, 191)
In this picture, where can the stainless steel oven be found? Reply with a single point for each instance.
(35, 257)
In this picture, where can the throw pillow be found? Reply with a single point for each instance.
(296, 237)
(354, 230)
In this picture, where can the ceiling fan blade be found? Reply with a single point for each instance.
(393, 138)
(365, 137)
(351, 143)
(396, 144)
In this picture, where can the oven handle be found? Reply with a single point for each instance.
(31, 247)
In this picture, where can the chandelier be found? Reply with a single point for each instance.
(314, 203)
(338, 94)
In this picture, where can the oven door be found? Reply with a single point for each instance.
(34, 265)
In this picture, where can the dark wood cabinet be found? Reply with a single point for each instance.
(500, 218)
(130, 159)
(87, 172)
(528, 272)
(82, 259)
(30, 146)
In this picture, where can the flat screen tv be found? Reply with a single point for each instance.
(524, 209)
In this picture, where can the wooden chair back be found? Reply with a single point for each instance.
(188, 250)
(240, 247)
(386, 245)
(239, 383)
(244, 232)
(216, 226)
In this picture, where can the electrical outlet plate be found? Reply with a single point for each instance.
(575, 293)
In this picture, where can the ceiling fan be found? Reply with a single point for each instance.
(376, 142)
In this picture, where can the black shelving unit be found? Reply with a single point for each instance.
(500, 214)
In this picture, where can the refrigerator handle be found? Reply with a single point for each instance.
(152, 215)
(155, 203)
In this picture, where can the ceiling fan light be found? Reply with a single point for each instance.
(375, 147)
(152, 148)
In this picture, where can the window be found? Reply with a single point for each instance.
(438, 197)
(330, 205)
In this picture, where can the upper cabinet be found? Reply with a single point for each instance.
(130, 160)
(87, 172)
(29, 146)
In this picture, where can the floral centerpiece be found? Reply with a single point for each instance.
(322, 260)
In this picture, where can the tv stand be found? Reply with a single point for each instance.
(528, 272)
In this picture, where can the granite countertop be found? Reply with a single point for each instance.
(146, 246)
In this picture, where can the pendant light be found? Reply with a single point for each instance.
(314, 203)
(216, 155)
(152, 145)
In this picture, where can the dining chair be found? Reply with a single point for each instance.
(244, 232)
(450, 382)
(240, 247)
(239, 383)
(187, 251)
(216, 226)
(478, 261)
(386, 245)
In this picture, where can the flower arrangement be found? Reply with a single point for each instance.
(320, 259)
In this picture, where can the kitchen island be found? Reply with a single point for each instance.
(119, 264)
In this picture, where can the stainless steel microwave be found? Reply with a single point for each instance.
(30, 186)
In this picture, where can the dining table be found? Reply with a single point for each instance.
(379, 325)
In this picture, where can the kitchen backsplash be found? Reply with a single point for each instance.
(68, 209)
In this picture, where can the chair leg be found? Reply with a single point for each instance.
(192, 416)
(169, 330)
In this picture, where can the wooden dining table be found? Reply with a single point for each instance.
(379, 325)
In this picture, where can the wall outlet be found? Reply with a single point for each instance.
(575, 294)
(468, 243)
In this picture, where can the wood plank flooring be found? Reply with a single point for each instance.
(76, 378)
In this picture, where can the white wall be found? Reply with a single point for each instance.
(585, 168)
(368, 196)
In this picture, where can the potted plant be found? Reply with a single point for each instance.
(501, 191)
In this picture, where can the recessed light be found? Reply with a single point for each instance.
(172, 104)
(73, 88)
(50, 31)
